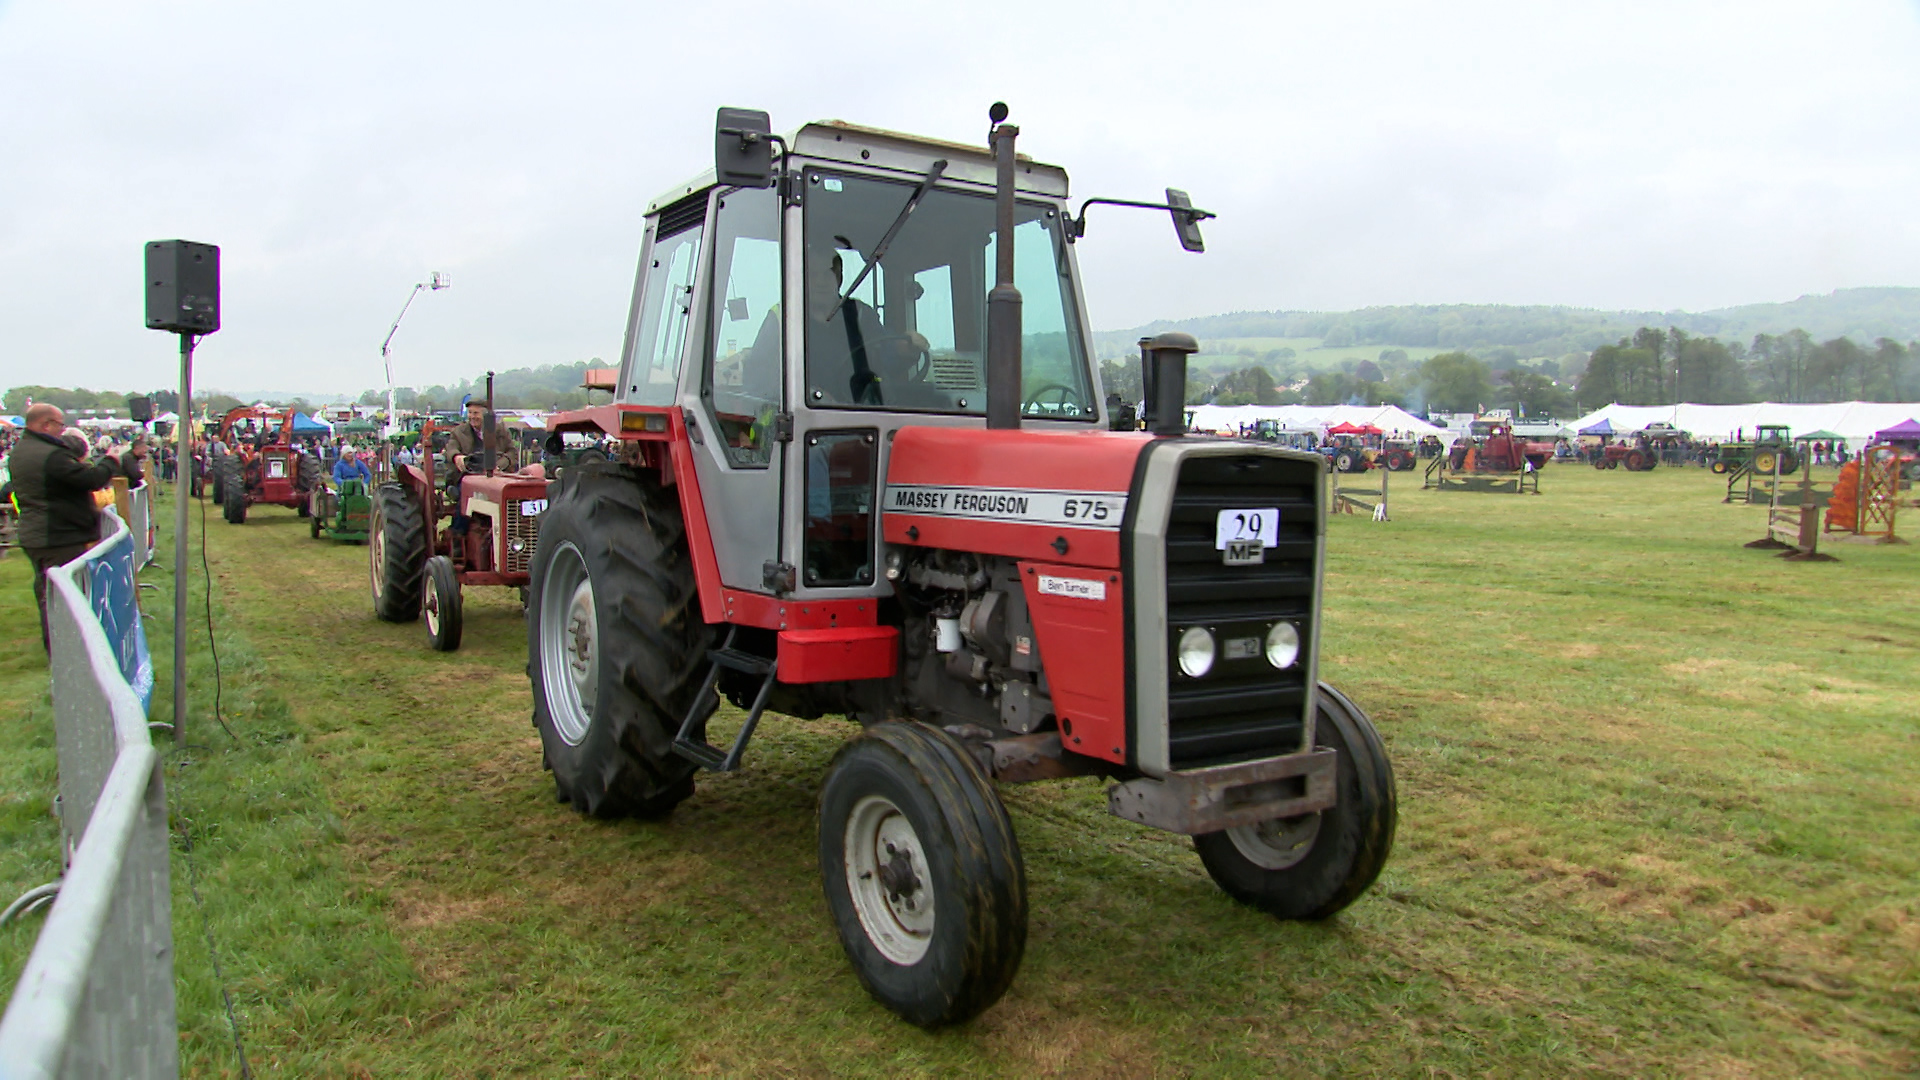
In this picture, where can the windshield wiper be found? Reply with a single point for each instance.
(880, 250)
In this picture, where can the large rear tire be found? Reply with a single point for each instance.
(397, 553)
(217, 473)
(440, 604)
(1764, 461)
(923, 873)
(616, 647)
(306, 477)
(1312, 866)
(234, 508)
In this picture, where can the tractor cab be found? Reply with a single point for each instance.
(863, 466)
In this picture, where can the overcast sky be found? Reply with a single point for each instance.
(1648, 156)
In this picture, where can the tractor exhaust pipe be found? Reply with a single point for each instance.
(487, 454)
(1003, 302)
(1167, 376)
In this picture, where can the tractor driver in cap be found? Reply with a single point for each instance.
(852, 356)
(465, 446)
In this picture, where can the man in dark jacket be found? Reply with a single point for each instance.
(468, 441)
(54, 489)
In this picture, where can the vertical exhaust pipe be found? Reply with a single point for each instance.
(487, 454)
(1003, 302)
(1168, 371)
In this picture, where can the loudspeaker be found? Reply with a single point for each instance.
(183, 287)
(140, 408)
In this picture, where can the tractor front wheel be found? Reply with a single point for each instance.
(440, 605)
(396, 552)
(1719, 467)
(922, 873)
(1600, 463)
(1314, 865)
(616, 647)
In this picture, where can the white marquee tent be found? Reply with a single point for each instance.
(1315, 418)
(1855, 421)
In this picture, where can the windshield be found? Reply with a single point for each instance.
(913, 335)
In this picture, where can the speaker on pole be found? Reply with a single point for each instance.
(183, 287)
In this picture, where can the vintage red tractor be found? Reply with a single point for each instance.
(863, 466)
(1493, 448)
(428, 541)
(263, 465)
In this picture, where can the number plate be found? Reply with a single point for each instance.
(1260, 526)
(532, 507)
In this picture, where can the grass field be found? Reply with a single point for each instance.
(1659, 814)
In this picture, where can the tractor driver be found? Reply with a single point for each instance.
(851, 355)
(465, 444)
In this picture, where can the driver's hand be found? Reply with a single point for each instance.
(460, 462)
(918, 341)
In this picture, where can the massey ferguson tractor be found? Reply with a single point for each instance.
(863, 467)
(426, 541)
(262, 465)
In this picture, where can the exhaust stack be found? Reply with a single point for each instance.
(487, 455)
(1167, 375)
(1003, 302)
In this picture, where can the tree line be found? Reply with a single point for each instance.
(1651, 366)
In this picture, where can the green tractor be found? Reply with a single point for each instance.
(341, 514)
(1770, 448)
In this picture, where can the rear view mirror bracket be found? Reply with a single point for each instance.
(1186, 217)
(743, 143)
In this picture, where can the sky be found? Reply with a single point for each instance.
(1647, 156)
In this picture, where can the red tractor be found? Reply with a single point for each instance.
(427, 541)
(262, 464)
(863, 466)
(1493, 448)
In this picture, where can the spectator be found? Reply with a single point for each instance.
(54, 489)
(134, 465)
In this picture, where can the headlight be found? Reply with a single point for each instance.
(517, 545)
(1196, 652)
(1283, 645)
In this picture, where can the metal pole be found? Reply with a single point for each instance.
(183, 471)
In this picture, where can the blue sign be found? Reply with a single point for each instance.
(113, 594)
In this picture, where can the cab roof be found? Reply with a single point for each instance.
(909, 155)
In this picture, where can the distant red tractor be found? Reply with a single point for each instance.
(425, 545)
(1495, 449)
(262, 466)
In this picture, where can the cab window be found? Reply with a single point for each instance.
(743, 345)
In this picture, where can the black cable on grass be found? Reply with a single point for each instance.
(206, 924)
(207, 569)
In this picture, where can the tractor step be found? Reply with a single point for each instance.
(691, 743)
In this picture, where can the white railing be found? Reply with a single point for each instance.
(96, 998)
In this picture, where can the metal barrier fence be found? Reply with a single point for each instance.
(96, 998)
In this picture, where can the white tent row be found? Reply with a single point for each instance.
(1315, 418)
(1855, 421)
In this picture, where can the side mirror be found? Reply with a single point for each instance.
(743, 148)
(1186, 224)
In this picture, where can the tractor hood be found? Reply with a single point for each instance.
(983, 491)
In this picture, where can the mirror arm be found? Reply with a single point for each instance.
(748, 138)
(1077, 227)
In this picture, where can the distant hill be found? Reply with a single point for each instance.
(1862, 314)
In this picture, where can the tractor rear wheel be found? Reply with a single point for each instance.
(217, 473)
(1312, 866)
(306, 478)
(1637, 461)
(440, 604)
(397, 552)
(235, 506)
(923, 873)
(1764, 462)
(1343, 461)
(616, 647)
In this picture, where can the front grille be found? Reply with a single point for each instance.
(1244, 708)
(523, 528)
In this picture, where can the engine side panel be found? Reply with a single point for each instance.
(1080, 626)
(1049, 496)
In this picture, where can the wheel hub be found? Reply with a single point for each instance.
(569, 645)
(890, 895)
(1278, 844)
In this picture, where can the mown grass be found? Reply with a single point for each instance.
(1658, 815)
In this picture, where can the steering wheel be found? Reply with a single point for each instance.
(887, 345)
(1069, 399)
